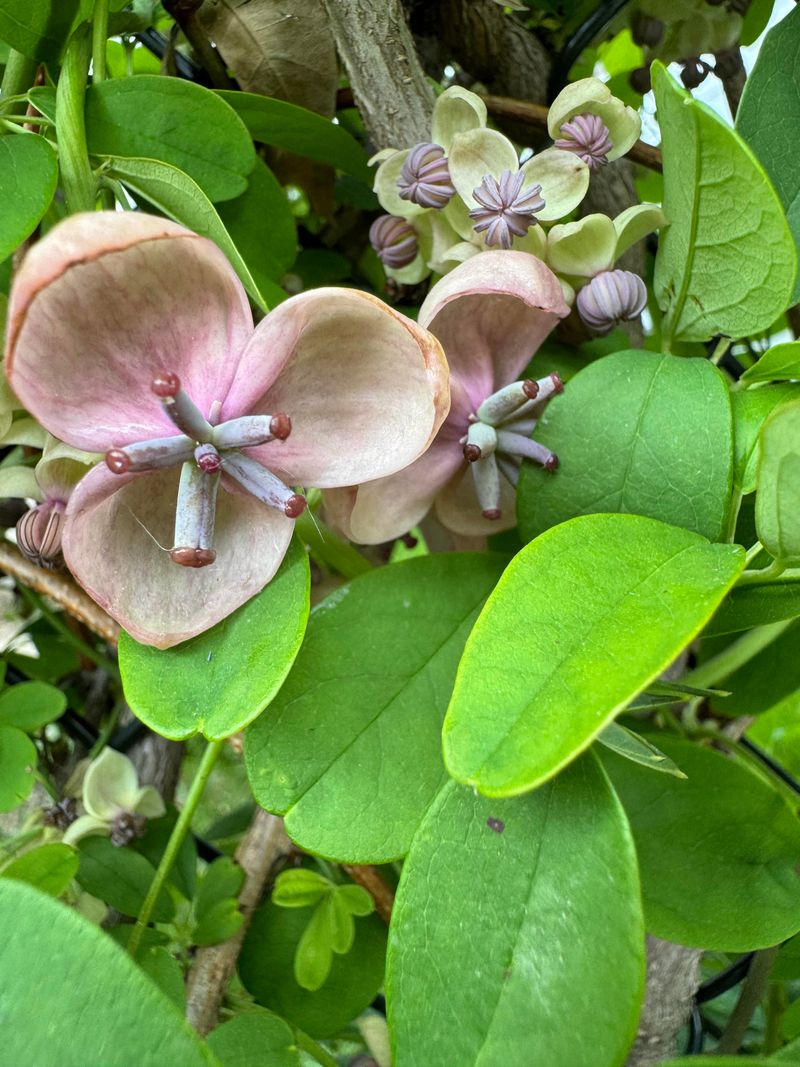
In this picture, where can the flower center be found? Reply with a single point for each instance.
(588, 137)
(498, 438)
(203, 451)
(504, 210)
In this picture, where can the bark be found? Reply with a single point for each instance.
(673, 977)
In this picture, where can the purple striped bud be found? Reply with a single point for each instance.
(39, 534)
(425, 177)
(505, 210)
(611, 297)
(588, 137)
(394, 240)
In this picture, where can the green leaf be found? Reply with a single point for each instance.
(261, 225)
(778, 364)
(378, 662)
(768, 117)
(719, 1061)
(179, 197)
(256, 1038)
(718, 852)
(343, 928)
(176, 122)
(314, 954)
(288, 126)
(637, 748)
(266, 967)
(221, 880)
(37, 28)
(534, 686)
(751, 408)
(222, 679)
(300, 888)
(30, 705)
(778, 494)
(17, 763)
(28, 177)
(98, 1005)
(218, 923)
(510, 912)
(165, 972)
(120, 877)
(756, 605)
(50, 868)
(620, 430)
(356, 899)
(726, 263)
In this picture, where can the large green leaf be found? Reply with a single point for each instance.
(620, 430)
(718, 851)
(256, 1038)
(218, 682)
(28, 177)
(37, 28)
(179, 197)
(174, 121)
(284, 125)
(756, 605)
(751, 408)
(583, 618)
(72, 998)
(261, 225)
(727, 261)
(350, 752)
(17, 764)
(769, 115)
(778, 364)
(509, 914)
(778, 495)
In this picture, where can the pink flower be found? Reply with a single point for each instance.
(490, 314)
(128, 335)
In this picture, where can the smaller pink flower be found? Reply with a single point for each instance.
(490, 314)
(131, 336)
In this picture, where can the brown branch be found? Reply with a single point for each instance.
(673, 975)
(729, 68)
(371, 880)
(184, 12)
(263, 844)
(535, 115)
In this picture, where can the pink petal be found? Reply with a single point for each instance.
(116, 540)
(104, 303)
(365, 387)
(491, 314)
(458, 509)
(388, 507)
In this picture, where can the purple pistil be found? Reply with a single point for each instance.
(425, 177)
(588, 137)
(505, 210)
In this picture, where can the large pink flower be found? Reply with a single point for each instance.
(131, 336)
(490, 314)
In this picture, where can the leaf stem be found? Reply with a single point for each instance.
(176, 839)
(99, 39)
(775, 570)
(721, 347)
(329, 548)
(58, 624)
(309, 1045)
(735, 655)
(73, 155)
(752, 991)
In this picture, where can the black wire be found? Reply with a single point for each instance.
(768, 761)
(584, 35)
(725, 980)
(694, 1046)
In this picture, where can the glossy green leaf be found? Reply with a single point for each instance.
(120, 877)
(620, 430)
(221, 680)
(300, 888)
(164, 971)
(256, 1038)
(508, 912)
(778, 494)
(50, 868)
(28, 176)
(218, 923)
(718, 852)
(335, 753)
(314, 954)
(727, 262)
(30, 705)
(179, 197)
(534, 687)
(637, 748)
(296, 129)
(778, 364)
(768, 117)
(751, 408)
(221, 879)
(266, 967)
(37, 28)
(261, 225)
(17, 764)
(756, 605)
(176, 122)
(99, 1007)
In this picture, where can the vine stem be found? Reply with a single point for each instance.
(18, 77)
(309, 1045)
(753, 990)
(73, 154)
(735, 655)
(99, 39)
(176, 839)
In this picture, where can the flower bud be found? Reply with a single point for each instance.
(425, 177)
(694, 72)
(39, 534)
(611, 297)
(394, 240)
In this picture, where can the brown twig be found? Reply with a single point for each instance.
(536, 115)
(184, 12)
(263, 844)
(371, 880)
(60, 589)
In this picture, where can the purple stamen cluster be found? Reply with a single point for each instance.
(505, 210)
(588, 137)
(611, 297)
(394, 240)
(39, 534)
(425, 177)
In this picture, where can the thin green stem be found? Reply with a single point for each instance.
(750, 997)
(735, 655)
(45, 782)
(721, 347)
(776, 1006)
(99, 39)
(752, 552)
(775, 570)
(329, 548)
(176, 839)
(309, 1045)
(108, 730)
(73, 155)
(58, 624)
(17, 78)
